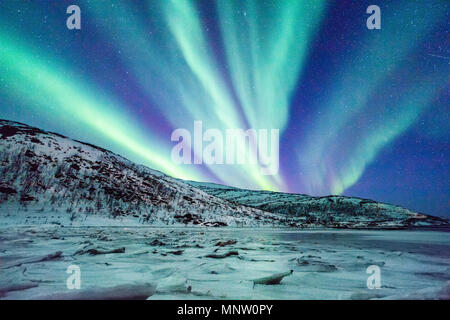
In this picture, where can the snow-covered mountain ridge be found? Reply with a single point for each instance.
(327, 211)
(48, 178)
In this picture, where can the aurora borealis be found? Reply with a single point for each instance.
(360, 112)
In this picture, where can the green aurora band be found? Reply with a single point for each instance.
(360, 78)
(42, 85)
(180, 63)
(266, 44)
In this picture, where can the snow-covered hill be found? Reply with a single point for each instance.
(328, 211)
(49, 178)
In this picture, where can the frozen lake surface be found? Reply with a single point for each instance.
(199, 263)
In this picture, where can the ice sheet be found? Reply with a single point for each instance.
(326, 264)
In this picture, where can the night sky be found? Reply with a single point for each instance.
(361, 112)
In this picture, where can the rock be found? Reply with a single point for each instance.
(94, 252)
(156, 242)
(273, 279)
(225, 243)
(177, 253)
(221, 256)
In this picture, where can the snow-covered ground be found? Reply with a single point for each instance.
(211, 263)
